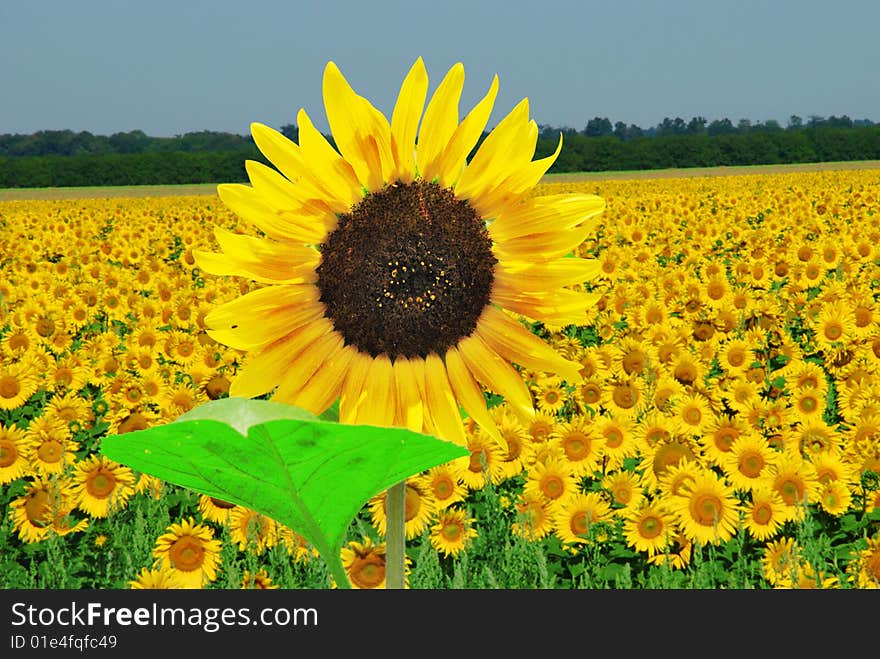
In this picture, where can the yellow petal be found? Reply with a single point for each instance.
(325, 386)
(505, 149)
(381, 404)
(465, 137)
(263, 370)
(547, 275)
(353, 121)
(329, 170)
(285, 197)
(560, 307)
(515, 186)
(547, 214)
(515, 343)
(259, 259)
(260, 301)
(405, 121)
(409, 404)
(287, 156)
(311, 359)
(272, 186)
(353, 396)
(441, 403)
(307, 225)
(468, 393)
(439, 122)
(496, 374)
(256, 329)
(542, 246)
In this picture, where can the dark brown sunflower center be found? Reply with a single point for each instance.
(407, 272)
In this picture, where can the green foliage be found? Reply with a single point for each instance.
(282, 462)
(63, 159)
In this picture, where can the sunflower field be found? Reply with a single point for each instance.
(724, 431)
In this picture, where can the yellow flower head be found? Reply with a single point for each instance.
(190, 551)
(387, 262)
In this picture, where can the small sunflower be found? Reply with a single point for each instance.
(687, 368)
(393, 260)
(364, 564)
(297, 546)
(764, 514)
(17, 384)
(45, 507)
(452, 531)
(749, 461)
(834, 325)
(540, 427)
(594, 365)
(833, 466)
(591, 393)
(648, 526)
(127, 419)
(553, 479)
(653, 429)
(740, 393)
(664, 456)
(707, 510)
(419, 509)
(632, 357)
(252, 531)
(14, 463)
(190, 551)
(514, 443)
(816, 437)
(534, 517)
(50, 453)
(626, 397)
(579, 444)
(677, 553)
(693, 413)
(835, 498)
(68, 375)
(720, 436)
(625, 488)
(802, 375)
(444, 484)
(158, 578)
(259, 580)
(70, 408)
(864, 569)
(576, 515)
(808, 406)
(150, 486)
(551, 395)
(215, 510)
(781, 561)
(665, 392)
(484, 464)
(101, 486)
(675, 478)
(619, 439)
(794, 478)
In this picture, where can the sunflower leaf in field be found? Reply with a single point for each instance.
(310, 475)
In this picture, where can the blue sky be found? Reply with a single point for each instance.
(172, 67)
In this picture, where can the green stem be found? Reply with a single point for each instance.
(395, 536)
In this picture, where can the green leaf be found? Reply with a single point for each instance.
(331, 413)
(311, 475)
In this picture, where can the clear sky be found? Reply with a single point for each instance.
(169, 67)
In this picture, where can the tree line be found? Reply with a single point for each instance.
(65, 158)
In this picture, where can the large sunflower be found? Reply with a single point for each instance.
(393, 271)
